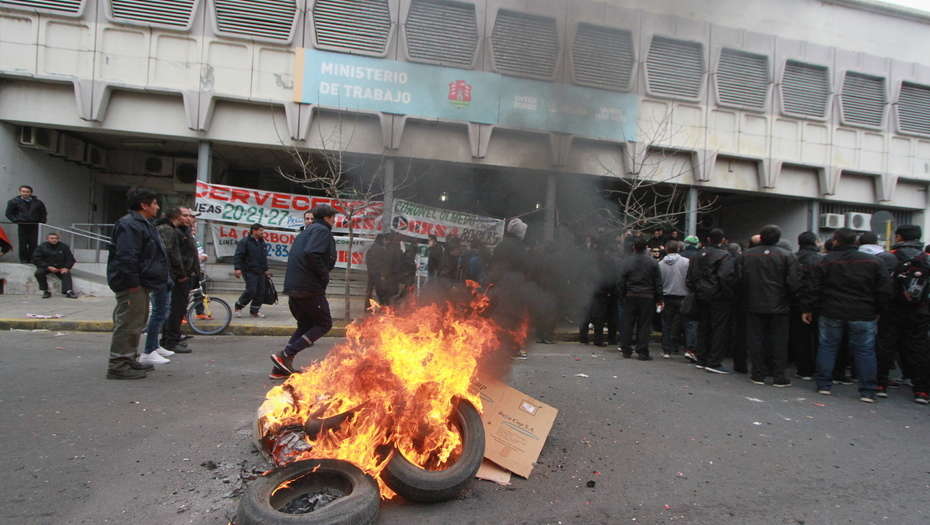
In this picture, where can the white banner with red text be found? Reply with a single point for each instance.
(278, 244)
(421, 221)
(216, 202)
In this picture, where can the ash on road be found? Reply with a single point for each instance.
(661, 441)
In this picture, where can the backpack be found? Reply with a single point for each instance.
(912, 280)
(271, 293)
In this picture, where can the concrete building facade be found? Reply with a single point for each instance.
(791, 110)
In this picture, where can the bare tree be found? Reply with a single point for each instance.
(355, 184)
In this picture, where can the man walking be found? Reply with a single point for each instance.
(136, 264)
(712, 279)
(182, 262)
(849, 289)
(771, 278)
(640, 285)
(312, 257)
(674, 270)
(54, 257)
(251, 263)
(27, 211)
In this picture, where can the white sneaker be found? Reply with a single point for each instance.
(164, 352)
(238, 314)
(258, 315)
(153, 359)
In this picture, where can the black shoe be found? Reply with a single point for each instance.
(781, 382)
(277, 373)
(186, 338)
(46, 294)
(757, 380)
(601, 344)
(644, 357)
(135, 365)
(126, 374)
(71, 295)
(717, 369)
(179, 348)
(627, 355)
(283, 361)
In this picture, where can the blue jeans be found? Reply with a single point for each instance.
(861, 344)
(161, 302)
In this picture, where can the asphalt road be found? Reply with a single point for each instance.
(663, 442)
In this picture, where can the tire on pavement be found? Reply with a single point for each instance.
(427, 486)
(265, 498)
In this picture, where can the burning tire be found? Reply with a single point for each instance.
(311, 492)
(426, 486)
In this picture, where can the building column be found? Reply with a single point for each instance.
(813, 221)
(204, 153)
(388, 183)
(691, 217)
(552, 186)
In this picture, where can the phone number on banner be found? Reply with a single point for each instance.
(256, 214)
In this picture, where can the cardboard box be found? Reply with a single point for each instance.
(515, 425)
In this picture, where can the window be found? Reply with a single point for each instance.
(603, 57)
(675, 68)
(353, 25)
(863, 100)
(442, 32)
(743, 79)
(805, 90)
(267, 19)
(525, 45)
(914, 109)
(67, 7)
(176, 13)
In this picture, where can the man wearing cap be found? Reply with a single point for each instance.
(691, 247)
(311, 258)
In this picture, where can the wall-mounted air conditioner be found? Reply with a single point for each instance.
(95, 157)
(38, 138)
(861, 222)
(832, 221)
(154, 166)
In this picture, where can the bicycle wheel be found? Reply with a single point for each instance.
(213, 307)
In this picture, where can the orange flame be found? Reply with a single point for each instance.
(397, 375)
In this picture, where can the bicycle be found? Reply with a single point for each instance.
(216, 314)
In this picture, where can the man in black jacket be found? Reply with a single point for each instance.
(312, 257)
(771, 278)
(802, 336)
(907, 323)
(251, 263)
(182, 262)
(640, 286)
(28, 211)
(849, 289)
(712, 279)
(137, 264)
(54, 257)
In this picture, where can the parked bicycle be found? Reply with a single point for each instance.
(206, 315)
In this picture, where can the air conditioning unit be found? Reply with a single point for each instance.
(861, 222)
(832, 221)
(73, 149)
(38, 138)
(95, 157)
(154, 166)
(185, 174)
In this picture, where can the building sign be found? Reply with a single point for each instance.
(216, 202)
(420, 221)
(278, 244)
(358, 83)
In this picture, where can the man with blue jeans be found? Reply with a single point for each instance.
(849, 289)
(155, 354)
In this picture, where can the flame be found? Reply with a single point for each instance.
(394, 381)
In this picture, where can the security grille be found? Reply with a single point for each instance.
(863, 99)
(603, 57)
(71, 7)
(272, 19)
(914, 108)
(525, 45)
(805, 90)
(356, 25)
(675, 68)
(743, 79)
(442, 32)
(175, 13)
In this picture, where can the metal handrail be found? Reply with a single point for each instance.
(99, 242)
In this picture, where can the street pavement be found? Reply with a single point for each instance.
(663, 442)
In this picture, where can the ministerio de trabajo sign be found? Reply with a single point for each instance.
(357, 83)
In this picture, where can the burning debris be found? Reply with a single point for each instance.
(396, 399)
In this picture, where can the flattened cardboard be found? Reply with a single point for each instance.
(515, 425)
(491, 472)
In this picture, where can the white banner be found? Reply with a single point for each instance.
(421, 221)
(216, 202)
(278, 244)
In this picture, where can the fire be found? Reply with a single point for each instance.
(391, 384)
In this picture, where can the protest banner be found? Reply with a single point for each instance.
(216, 202)
(421, 221)
(278, 244)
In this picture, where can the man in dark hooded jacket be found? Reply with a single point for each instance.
(712, 280)
(802, 337)
(640, 286)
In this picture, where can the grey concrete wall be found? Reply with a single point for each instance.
(746, 218)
